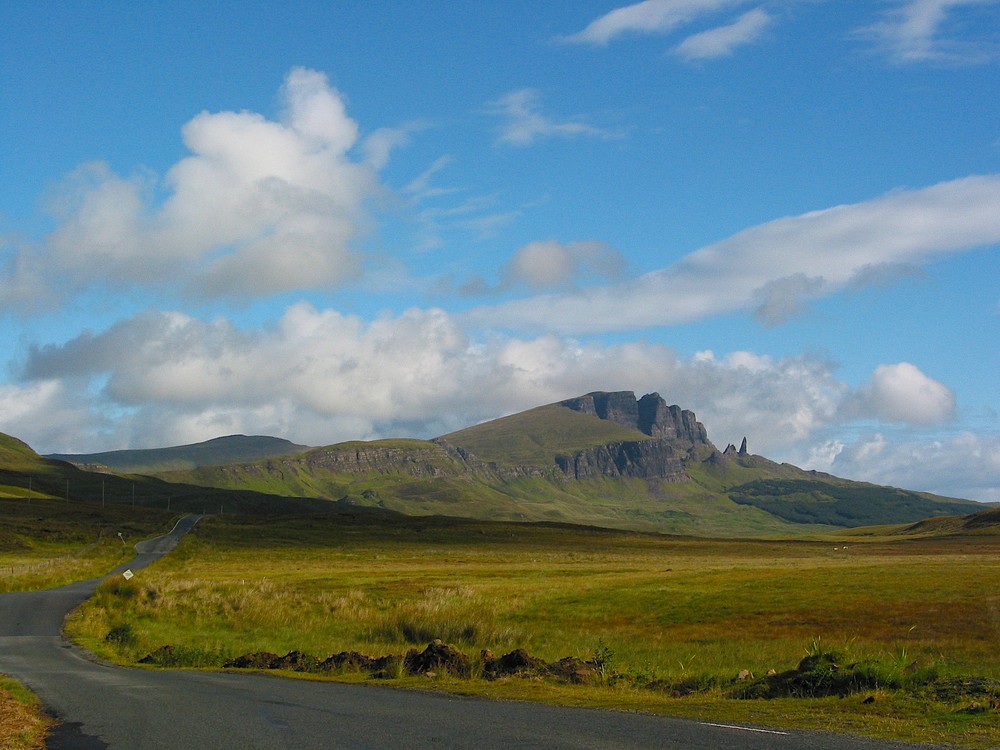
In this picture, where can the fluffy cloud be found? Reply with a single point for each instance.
(648, 17)
(318, 376)
(773, 268)
(259, 207)
(902, 393)
(325, 376)
(721, 41)
(911, 32)
(524, 121)
(962, 465)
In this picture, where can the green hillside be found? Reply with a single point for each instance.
(553, 463)
(222, 450)
(536, 436)
(26, 475)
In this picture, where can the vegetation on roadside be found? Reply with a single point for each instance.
(882, 635)
(23, 724)
(46, 543)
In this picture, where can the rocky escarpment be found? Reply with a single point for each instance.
(650, 415)
(641, 459)
(676, 437)
(415, 458)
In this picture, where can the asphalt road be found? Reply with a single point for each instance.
(103, 706)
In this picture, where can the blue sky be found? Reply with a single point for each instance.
(331, 221)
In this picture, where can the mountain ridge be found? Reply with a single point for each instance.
(219, 450)
(647, 468)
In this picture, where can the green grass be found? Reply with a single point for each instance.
(672, 613)
(46, 543)
(23, 724)
(536, 436)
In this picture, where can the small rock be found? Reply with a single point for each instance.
(744, 675)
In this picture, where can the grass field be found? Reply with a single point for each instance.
(45, 543)
(23, 726)
(671, 621)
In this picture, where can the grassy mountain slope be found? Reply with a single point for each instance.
(25, 474)
(536, 436)
(506, 469)
(222, 450)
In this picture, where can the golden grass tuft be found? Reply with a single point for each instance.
(23, 725)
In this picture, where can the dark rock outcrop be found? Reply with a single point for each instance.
(649, 415)
(641, 459)
(676, 435)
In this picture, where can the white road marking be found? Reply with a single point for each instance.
(745, 729)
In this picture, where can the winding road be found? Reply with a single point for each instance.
(104, 706)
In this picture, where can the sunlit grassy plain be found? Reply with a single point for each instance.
(671, 614)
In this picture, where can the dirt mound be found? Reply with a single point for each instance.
(347, 661)
(574, 670)
(256, 660)
(516, 662)
(296, 661)
(816, 676)
(438, 657)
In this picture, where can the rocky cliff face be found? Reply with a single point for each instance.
(641, 459)
(650, 415)
(677, 436)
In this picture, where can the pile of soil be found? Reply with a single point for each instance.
(437, 658)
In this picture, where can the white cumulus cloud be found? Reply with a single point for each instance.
(259, 206)
(903, 393)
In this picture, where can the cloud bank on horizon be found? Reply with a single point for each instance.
(226, 284)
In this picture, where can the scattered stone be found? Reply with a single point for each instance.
(744, 675)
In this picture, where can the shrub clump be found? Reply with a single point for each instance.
(121, 635)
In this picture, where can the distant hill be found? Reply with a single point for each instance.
(605, 459)
(25, 475)
(221, 450)
(982, 523)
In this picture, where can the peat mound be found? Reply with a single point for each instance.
(437, 657)
(517, 661)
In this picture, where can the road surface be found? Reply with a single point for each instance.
(103, 706)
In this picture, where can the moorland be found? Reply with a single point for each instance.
(888, 630)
